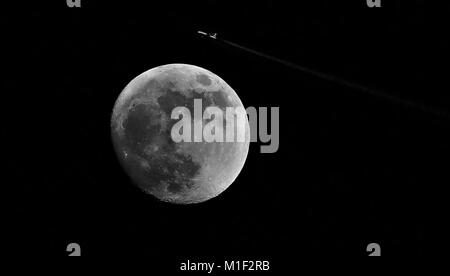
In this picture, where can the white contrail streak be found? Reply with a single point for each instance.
(344, 82)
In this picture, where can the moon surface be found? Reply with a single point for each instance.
(183, 172)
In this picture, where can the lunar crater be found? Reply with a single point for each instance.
(184, 172)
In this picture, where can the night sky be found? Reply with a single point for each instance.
(351, 168)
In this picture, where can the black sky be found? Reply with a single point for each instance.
(351, 169)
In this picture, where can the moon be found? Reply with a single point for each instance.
(141, 123)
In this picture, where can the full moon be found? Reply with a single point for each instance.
(141, 123)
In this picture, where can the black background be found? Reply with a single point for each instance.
(351, 168)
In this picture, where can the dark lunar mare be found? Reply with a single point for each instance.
(185, 172)
(142, 128)
(166, 166)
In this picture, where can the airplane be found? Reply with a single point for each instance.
(211, 35)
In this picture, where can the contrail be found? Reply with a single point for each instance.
(343, 82)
